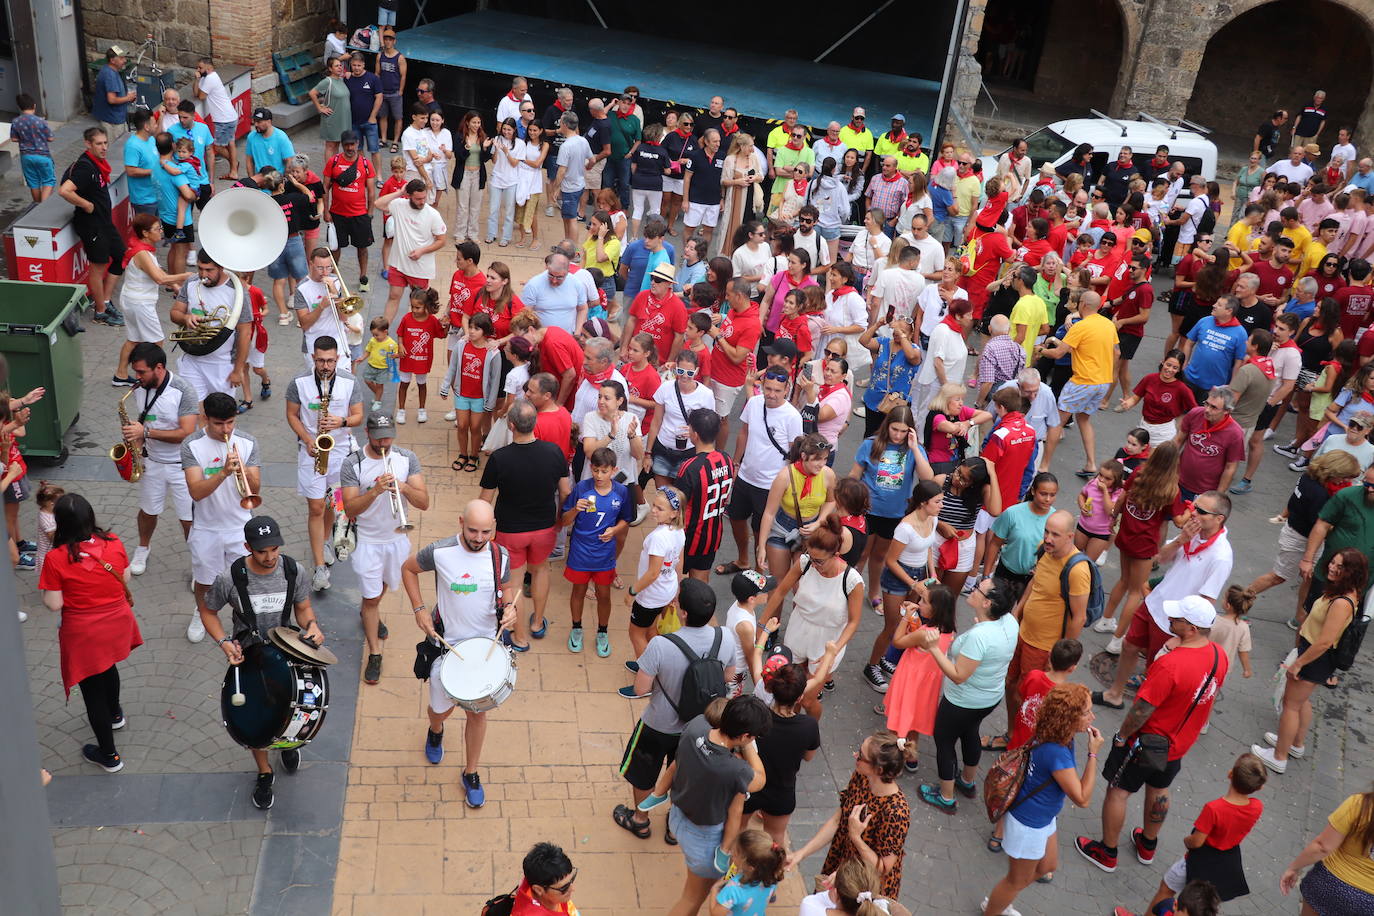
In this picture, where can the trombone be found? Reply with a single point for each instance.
(247, 498)
(347, 304)
(398, 503)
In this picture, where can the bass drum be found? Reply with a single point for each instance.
(285, 700)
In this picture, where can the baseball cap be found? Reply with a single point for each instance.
(782, 346)
(780, 658)
(749, 583)
(899, 117)
(348, 136)
(695, 598)
(859, 113)
(1195, 609)
(262, 114)
(381, 421)
(114, 51)
(262, 531)
(1142, 235)
(664, 272)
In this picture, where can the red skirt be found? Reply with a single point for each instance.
(91, 640)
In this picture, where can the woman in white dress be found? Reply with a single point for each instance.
(507, 151)
(846, 315)
(143, 278)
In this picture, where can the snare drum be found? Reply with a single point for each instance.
(285, 700)
(480, 677)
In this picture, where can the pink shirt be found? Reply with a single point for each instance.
(1312, 212)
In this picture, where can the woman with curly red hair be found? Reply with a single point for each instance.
(1051, 777)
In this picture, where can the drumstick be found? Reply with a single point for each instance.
(238, 699)
(448, 646)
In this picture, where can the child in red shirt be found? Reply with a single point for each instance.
(1082, 251)
(698, 324)
(474, 375)
(14, 483)
(1214, 844)
(794, 325)
(641, 379)
(257, 350)
(416, 333)
(392, 184)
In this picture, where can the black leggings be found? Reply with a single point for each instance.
(100, 692)
(957, 724)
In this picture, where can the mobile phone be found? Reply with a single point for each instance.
(891, 313)
(806, 371)
(750, 173)
(621, 477)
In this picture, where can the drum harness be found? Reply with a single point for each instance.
(248, 627)
(426, 652)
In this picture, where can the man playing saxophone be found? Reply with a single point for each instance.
(210, 296)
(324, 401)
(381, 484)
(220, 462)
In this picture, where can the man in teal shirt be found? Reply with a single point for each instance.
(188, 126)
(625, 137)
(172, 189)
(140, 159)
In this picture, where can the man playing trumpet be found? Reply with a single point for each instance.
(316, 304)
(211, 457)
(321, 406)
(381, 483)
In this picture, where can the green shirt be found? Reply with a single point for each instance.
(1350, 513)
(333, 94)
(1022, 531)
(786, 157)
(625, 133)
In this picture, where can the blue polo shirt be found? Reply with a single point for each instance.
(199, 133)
(1214, 354)
(168, 192)
(141, 154)
(586, 551)
(1363, 181)
(274, 150)
(109, 80)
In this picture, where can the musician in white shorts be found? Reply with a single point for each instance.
(325, 400)
(208, 458)
(211, 294)
(367, 480)
(274, 596)
(316, 306)
(162, 414)
(469, 604)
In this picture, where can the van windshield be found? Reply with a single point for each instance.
(1044, 145)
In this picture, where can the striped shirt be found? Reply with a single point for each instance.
(705, 480)
(960, 509)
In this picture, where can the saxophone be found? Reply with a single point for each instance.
(128, 459)
(324, 443)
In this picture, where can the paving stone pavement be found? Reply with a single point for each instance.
(368, 827)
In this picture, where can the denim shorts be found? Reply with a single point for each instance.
(891, 585)
(291, 261)
(385, 16)
(472, 405)
(828, 234)
(569, 202)
(367, 135)
(784, 525)
(38, 171)
(224, 132)
(698, 844)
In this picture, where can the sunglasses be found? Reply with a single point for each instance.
(799, 136)
(1355, 424)
(831, 354)
(806, 221)
(566, 885)
(776, 375)
(1201, 511)
(685, 373)
(858, 117)
(730, 117)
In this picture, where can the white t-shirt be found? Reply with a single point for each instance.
(330, 324)
(949, 347)
(733, 618)
(205, 300)
(910, 210)
(1290, 172)
(503, 174)
(849, 309)
(1287, 365)
(515, 381)
(573, 156)
(509, 107)
(762, 459)
(901, 288)
(1205, 573)
(862, 257)
(584, 399)
(415, 140)
(438, 166)
(748, 262)
(915, 546)
(220, 511)
(1347, 152)
(217, 103)
(465, 588)
(414, 230)
(164, 411)
(667, 543)
(1193, 218)
(595, 426)
(813, 245)
(1363, 453)
(377, 524)
(934, 308)
(932, 254)
(674, 423)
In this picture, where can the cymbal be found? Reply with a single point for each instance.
(294, 643)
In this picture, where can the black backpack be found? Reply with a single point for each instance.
(702, 682)
(500, 905)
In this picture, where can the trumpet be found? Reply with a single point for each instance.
(324, 443)
(347, 304)
(247, 498)
(398, 503)
(127, 458)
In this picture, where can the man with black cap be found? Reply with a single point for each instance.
(264, 591)
(380, 482)
(350, 190)
(669, 664)
(265, 145)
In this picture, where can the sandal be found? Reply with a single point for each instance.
(395, 147)
(1099, 699)
(617, 583)
(1046, 878)
(987, 743)
(625, 817)
(471, 463)
(669, 837)
(459, 463)
(245, 406)
(541, 630)
(729, 569)
(994, 844)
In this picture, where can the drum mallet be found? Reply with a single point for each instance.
(237, 699)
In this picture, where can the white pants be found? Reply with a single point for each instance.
(157, 479)
(1160, 432)
(206, 375)
(378, 564)
(469, 207)
(650, 200)
(212, 550)
(312, 485)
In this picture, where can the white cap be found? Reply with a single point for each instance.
(1195, 609)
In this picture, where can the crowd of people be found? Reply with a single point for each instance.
(967, 320)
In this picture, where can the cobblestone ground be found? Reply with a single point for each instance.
(366, 801)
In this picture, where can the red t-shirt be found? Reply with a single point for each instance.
(350, 199)
(1139, 530)
(85, 585)
(1081, 257)
(390, 186)
(703, 363)
(463, 292)
(1034, 686)
(1273, 282)
(258, 300)
(1009, 447)
(500, 320)
(1033, 253)
(1058, 237)
(558, 353)
(798, 330)
(1355, 302)
(739, 329)
(662, 321)
(473, 362)
(1187, 269)
(416, 339)
(642, 383)
(1225, 824)
(1366, 346)
(1139, 298)
(555, 426)
(1101, 266)
(1207, 452)
(1171, 684)
(993, 248)
(1327, 286)
(1162, 401)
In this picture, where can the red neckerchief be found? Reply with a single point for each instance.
(799, 186)
(1335, 486)
(1190, 551)
(795, 284)
(1263, 364)
(963, 171)
(896, 136)
(512, 96)
(1290, 343)
(795, 144)
(1013, 158)
(1234, 322)
(857, 128)
(1208, 430)
(827, 390)
(596, 378)
(1160, 163)
(625, 114)
(952, 323)
(858, 522)
(726, 133)
(842, 291)
(1366, 396)
(684, 134)
(134, 248)
(837, 142)
(103, 165)
(1045, 180)
(558, 103)
(896, 176)
(806, 482)
(193, 160)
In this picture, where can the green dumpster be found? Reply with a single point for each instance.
(38, 327)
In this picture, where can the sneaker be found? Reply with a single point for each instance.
(113, 318)
(434, 747)
(291, 759)
(1105, 625)
(1241, 487)
(421, 416)
(330, 557)
(262, 792)
(629, 693)
(373, 672)
(548, 211)
(631, 666)
(860, 412)
(26, 562)
(101, 318)
(401, 416)
(829, 686)
(1144, 849)
(26, 546)
(1266, 756)
(1268, 434)
(363, 285)
(451, 416)
(319, 581)
(1114, 645)
(557, 554)
(284, 320)
(118, 721)
(575, 639)
(1096, 853)
(1298, 751)
(195, 630)
(473, 794)
(969, 585)
(603, 644)
(931, 796)
(641, 513)
(1300, 465)
(109, 763)
(1288, 451)
(875, 678)
(382, 631)
(376, 406)
(652, 802)
(127, 381)
(889, 668)
(265, 392)
(23, 617)
(139, 564)
(966, 789)
(1008, 911)
(1293, 624)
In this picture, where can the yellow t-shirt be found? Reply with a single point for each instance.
(376, 351)
(1042, 619)
(859, 140)
(966, 194)
(1029, 310)
(1244, 237)
(1352, 865)
(1312, 256)
(1093, 340)
(611, 247)
(1301, 237)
